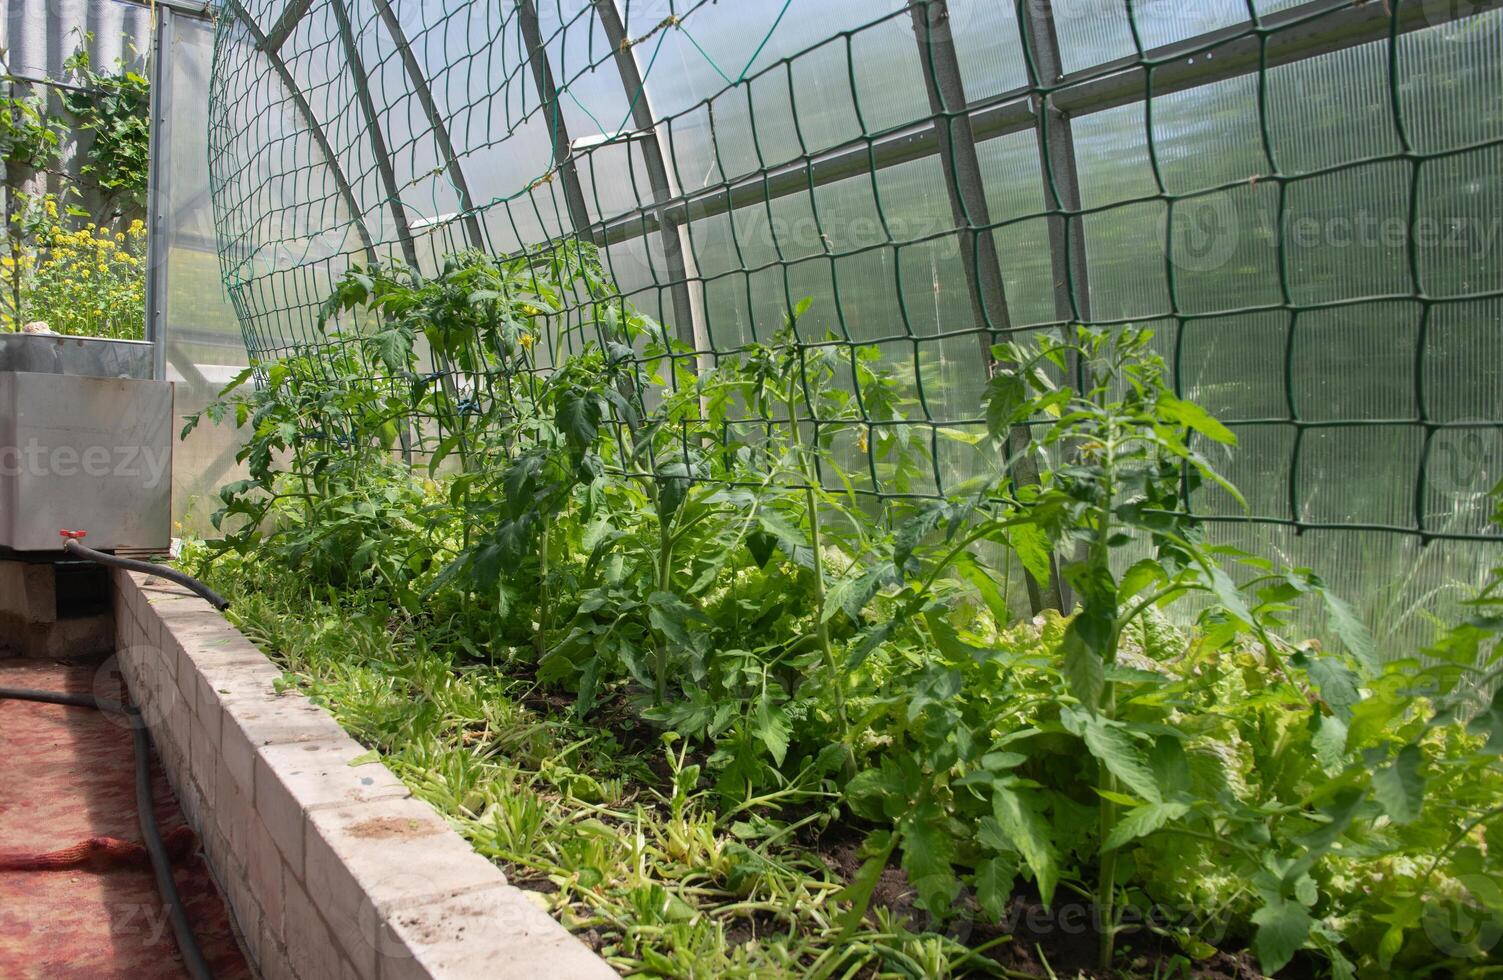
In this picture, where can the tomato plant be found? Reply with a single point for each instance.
(565, 501)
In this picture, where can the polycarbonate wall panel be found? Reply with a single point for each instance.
(205, 349)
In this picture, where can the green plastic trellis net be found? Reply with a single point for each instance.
(1303, 199)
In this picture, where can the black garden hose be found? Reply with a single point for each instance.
(72, 547)
(151, 836)
(55, 697)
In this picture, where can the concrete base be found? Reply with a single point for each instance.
(55, 611)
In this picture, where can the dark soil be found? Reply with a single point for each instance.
(759, 923)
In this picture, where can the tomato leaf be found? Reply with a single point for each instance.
(1283, 927)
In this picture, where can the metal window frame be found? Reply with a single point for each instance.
(158, 140)
(1310, 29)
(279, 32)
(197, 9)
(315, 129)
(1058, 167)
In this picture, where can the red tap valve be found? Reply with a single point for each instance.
(74, 535)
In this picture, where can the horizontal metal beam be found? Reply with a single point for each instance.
(1297, 34)
(199, 9)
(49, 82)
(1314, 28)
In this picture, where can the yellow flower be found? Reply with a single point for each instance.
(527, 340)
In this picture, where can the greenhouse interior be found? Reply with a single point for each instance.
(751, 488)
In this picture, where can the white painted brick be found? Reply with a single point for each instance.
(495, 933)
(324, 888)
(177, 718)
(364, 858)
(130, 590)
(237, 761)
(295, 777)
(233, 810)
(151, 626)
(245, 910)
(122, 622)
(203, 762)
(185, 682)
(267, 875)
(160, 592)
(203, 634)
(316, 947)
(214, 846)
(210, 644)
(280, 817)
(209, 724)
(156, 655)
(273, 961)
(191, 800)
(276, 720)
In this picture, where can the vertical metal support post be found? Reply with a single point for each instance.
(383, 164)
(553, 115)
(963, 181)
(373, 130)
(1057, 166)
(1060, 173)
(440, 131)
(690, 326)
(156, 198)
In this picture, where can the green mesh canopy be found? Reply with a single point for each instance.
(1303, 199)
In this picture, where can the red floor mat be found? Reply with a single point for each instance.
(68, 801)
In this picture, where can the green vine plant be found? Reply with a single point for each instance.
(30, 140)
(29, 136)
(107, 196)
(691, 552)
(114, 108)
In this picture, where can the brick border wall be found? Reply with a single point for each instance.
(331, 871)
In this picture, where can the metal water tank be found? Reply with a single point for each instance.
(85, 444)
